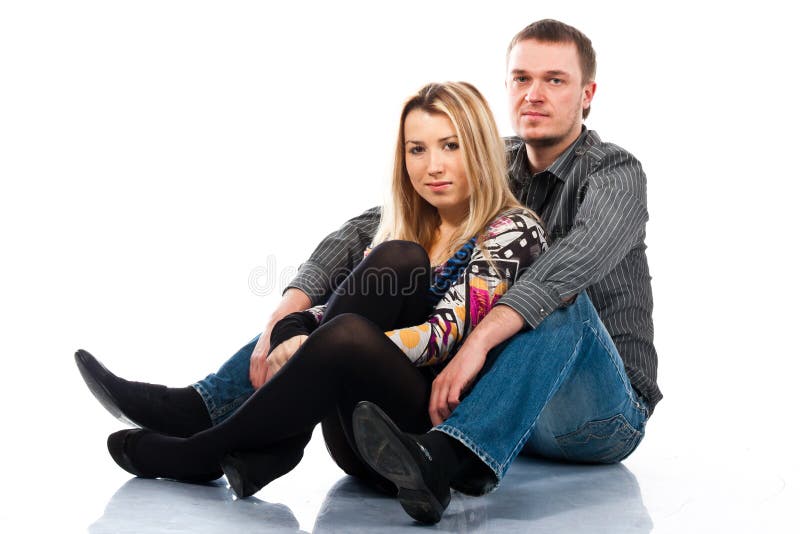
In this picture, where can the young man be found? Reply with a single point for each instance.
(563, 367)
(574, 385)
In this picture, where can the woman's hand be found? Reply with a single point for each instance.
(282, 353)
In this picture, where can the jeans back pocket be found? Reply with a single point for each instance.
(604, 441)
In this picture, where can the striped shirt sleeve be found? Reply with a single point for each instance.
(609, 222)
(336, 256)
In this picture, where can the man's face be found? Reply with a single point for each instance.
(546, 93)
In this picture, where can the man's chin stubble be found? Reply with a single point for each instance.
(542, 142)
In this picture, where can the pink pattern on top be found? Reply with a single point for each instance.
(480, 303)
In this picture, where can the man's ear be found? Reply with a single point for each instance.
(588, 94)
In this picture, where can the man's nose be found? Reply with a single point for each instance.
(534, 93)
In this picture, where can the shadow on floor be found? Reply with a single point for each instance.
(145, 506)
(536, 496)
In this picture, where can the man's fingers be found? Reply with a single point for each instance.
(453, 400)
(441, 408)
(433, 406)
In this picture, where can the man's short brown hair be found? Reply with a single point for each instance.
(554, 31)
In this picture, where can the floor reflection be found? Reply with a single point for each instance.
(142, 506)
(536, 496)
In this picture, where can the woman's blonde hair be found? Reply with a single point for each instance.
(407, 215)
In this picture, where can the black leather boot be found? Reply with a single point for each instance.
(177, 412)
(422, 488)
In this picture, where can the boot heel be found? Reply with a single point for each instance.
(421, 505)
(248, 472)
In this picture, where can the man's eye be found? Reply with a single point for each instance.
(556, 81)
(520, 79)
(452, 145)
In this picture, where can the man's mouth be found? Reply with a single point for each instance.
(534, 114)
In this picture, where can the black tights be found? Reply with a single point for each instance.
(347, 359)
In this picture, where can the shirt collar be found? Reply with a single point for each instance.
(521, 170)
(563, 162)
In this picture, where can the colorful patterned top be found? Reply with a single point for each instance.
(513, 241)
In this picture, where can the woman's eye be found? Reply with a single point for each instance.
(416, 150)
(452, 145)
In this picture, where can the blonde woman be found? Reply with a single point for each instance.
(451, 241)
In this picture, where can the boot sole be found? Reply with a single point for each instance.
(103, 395)
(378, 442)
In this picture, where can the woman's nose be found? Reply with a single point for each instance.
(435, 164)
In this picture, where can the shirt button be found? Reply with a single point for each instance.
(541, 310)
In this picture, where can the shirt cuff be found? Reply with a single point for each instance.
(311, 280)
(532, 301)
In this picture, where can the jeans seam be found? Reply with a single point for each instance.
(634, 398)
(207, 398)
(232, 406)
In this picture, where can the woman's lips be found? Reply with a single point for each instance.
(438, 186)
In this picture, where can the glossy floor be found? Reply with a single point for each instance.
(70, 485)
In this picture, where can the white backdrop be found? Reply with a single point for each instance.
(154, 154)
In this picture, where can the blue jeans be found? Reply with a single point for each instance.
(559, 391)
(227, 389)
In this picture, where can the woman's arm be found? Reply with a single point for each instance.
(512, 242)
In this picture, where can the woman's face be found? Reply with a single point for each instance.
(434, 162)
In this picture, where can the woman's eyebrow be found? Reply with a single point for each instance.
(414, 141)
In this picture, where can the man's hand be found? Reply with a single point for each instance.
(258, 360)
(500, 323)
(457, 376)
(282, 353)
(293, 300)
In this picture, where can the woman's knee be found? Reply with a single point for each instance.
(397, 253)
(397, 267)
